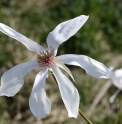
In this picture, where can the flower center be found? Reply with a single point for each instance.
(45, 58)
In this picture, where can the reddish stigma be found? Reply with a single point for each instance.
(45, 58)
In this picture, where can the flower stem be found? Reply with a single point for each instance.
(82, 114)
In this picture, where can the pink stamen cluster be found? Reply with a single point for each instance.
(45, 58)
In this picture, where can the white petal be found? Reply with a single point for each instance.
(118, 73)
(12, 80)
(38, 102)
(117, 83)
(66, 69)
(68, 92)
(91, 66)
(65, 30)
(30, 44)
(116, 77)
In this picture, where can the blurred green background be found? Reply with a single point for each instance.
(100, 38)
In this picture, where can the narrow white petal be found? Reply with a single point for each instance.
(30, 44)
(66, 69)
(68, 92)
(38, 102)
(91, 66)
(12, 80)
(65, 30)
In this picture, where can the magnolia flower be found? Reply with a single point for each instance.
(116, 78)
(12, 80)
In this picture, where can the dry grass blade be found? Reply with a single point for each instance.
(98, 98)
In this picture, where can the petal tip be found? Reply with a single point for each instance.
(85, 16)
(74, 115)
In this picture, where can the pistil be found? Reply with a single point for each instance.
(45, 58)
